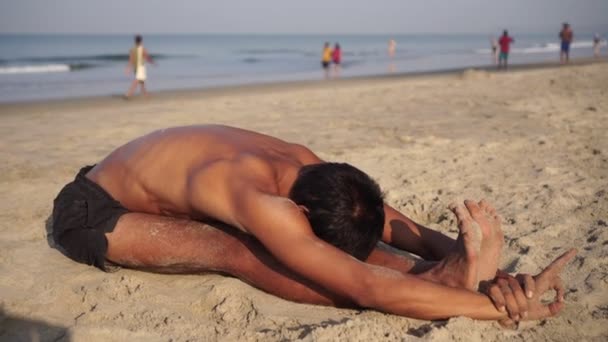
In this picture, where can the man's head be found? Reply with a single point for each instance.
(343, 204)
(505, 33)
(138, 39)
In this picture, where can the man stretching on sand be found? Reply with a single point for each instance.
(138, 56)
(216, 198)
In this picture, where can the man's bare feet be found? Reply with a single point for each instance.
(484, 214)
(460, 267)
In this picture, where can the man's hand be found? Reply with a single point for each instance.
(507, 295)
(547, 280)
(524, 304)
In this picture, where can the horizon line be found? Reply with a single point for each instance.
(450, 33)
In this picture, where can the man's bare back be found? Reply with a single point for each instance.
(147, 206)
(154, 174)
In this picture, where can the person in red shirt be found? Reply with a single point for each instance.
(336, 58)
(505, 43)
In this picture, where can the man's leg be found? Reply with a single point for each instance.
(460, 267)
(131, 89)
(457, 268)
(169, 245)
(142, 86)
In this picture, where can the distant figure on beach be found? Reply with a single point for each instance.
(596, 45)
(505, 45)
(392, 47)
(336, 58)
(566, 35)
(138, 56)
(494, 47)
(326, 59)
(212, 198)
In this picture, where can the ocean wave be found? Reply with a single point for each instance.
(278, 51)
(76, 59)
(43, 68)
(251, 60)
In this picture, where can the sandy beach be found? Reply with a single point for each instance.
(534, 142)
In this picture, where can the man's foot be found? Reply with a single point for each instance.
(460, 267)
(484, 214)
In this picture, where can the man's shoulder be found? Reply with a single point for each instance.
(241, 172)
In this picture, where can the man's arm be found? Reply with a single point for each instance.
(399, 230)
(284, 230)
(405, 234)
(130, 63)
(148, 58)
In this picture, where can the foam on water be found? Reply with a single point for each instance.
(30, 69)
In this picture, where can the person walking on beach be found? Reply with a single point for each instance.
(566, 35)
(596, 45)
(336, 58)
(206, 198)
(138, 56)
(505, 45)
(326, 59)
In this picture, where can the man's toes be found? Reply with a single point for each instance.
(476, 213)
(483, 205)
(462, 214)
(487, 207)
(497, 219)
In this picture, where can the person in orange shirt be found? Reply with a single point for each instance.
(326, 58)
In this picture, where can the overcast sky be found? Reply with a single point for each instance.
(299, 16)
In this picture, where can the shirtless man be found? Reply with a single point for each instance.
(288, 223)
(566, 36)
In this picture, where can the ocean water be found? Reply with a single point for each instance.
(35, 67)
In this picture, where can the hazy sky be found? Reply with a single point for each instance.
(299, 16)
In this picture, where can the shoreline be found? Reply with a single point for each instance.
(273, 86)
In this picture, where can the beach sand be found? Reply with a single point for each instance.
(534, 142)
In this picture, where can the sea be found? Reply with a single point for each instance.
(51, 66)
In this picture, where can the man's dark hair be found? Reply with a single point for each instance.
(345, 206)
(138, 39)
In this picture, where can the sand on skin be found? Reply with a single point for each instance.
(533, 142)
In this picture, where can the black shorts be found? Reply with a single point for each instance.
(82, 213)
(325, 65)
